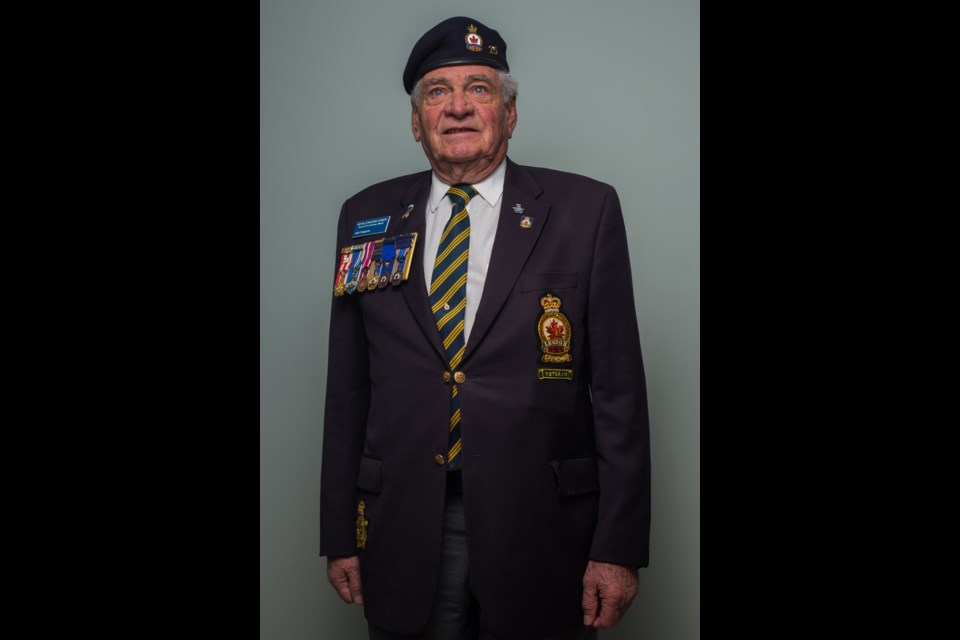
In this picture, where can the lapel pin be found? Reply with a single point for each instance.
(406, 214)
(518, 208)
(525, 222)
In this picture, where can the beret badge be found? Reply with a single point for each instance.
(474, 42)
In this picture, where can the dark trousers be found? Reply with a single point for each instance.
(455, 613)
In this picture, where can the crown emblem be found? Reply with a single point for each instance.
(472, 28)
(550, 302)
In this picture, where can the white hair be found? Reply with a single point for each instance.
(508, 88)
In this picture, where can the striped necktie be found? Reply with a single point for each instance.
(448, 299)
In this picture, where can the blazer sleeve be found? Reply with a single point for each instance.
(618, 389)
(345, 417)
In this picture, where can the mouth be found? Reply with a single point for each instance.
(457, 130)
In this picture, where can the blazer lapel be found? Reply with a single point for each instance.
(414, 290)
(511, 248)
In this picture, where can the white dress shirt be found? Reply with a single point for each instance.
(484, 212)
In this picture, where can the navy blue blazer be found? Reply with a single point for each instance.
(556, 466)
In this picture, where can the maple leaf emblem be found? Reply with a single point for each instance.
(555, 330)
(473, 39)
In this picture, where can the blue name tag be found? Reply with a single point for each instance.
(371, 226)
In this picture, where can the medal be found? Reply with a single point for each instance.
(374, 265)
(386, 264)
(405, 246)
(365, 266)
(340, 286)
(355, 260)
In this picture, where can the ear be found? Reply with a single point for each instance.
(511, 117)
(415, 124)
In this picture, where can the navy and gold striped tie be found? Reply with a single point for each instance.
(448, 298)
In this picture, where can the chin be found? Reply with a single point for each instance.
(460, 159)
(458, 148)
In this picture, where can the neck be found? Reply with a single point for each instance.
(470, 173)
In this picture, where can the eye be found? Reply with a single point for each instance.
(436, 91)
(480, 89)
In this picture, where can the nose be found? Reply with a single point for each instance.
(458, 106)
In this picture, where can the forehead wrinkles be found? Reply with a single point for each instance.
(479, 77)
(437, 80)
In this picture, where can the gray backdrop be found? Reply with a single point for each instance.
(609, 89)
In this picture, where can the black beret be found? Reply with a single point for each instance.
(455, 42)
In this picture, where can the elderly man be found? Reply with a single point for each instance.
(486, 463)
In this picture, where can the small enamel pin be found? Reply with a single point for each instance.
(525, 221)
(361, 526)
(406, 214)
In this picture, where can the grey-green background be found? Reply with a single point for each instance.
(609, 89)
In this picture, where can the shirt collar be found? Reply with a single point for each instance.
(490, 188)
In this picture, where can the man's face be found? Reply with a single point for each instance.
(461, 118)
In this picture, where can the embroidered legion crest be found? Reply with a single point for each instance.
(554, 332)
(474, 42)
(362, 523)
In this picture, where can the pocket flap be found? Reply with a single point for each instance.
(547, 281)
(576, 476)
(369, 477)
